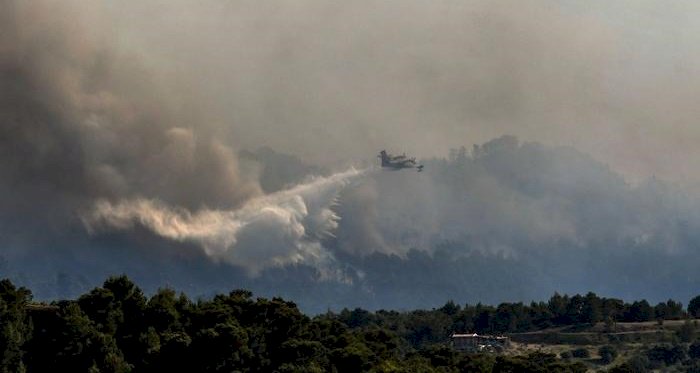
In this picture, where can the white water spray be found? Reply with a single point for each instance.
(280, 228)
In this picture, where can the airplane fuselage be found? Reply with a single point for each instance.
(398, 162)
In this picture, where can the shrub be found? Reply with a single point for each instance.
(665, 354)
(607, 354)
(694, 350)
(581, 353)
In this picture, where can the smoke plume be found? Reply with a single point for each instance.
(175, 141)
(82, 121)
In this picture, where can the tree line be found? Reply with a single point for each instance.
(116, 328)
(422, 327)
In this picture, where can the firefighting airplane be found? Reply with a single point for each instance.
(398, 162)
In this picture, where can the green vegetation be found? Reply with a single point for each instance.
(607, 354)
(581, 353)
(694, 307)
(116, 328)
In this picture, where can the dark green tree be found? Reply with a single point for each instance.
(639, 311)
(694, 307)
(222, 348)
(78, 346)
(669, 310)
(118, 309)
(592, 309)
(14, 326)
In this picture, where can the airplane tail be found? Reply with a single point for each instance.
(385, 158)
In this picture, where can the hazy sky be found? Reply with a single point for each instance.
(330, 80)
(121, 123)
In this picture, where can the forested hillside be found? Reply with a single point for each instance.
(116, 328)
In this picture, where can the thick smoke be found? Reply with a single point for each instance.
(334, 81)
(144, 123)
(82, 121)
(510, 220)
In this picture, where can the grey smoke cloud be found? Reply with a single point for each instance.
(129, 117)
(332, 81)
(515, 199)
(82, 120)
